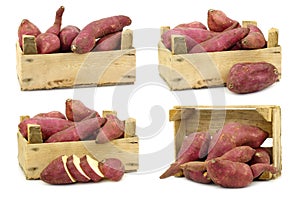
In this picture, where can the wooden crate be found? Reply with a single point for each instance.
(34, 157)
(67, 70)
(189, 119)
(200, 70)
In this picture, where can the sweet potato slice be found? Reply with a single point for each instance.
(90, 168)
(57, 172)
(73, 165)
(112, 169)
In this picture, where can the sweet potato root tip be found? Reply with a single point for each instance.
(55, 28)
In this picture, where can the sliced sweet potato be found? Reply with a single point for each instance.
(90, 168)
(57, 172)
(112, 169)
(73, 165)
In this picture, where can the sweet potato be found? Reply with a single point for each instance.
(112, 129)
(229, 174)
(218, 21)
(259, 168)
(194, 24)
(73, 165)
(262, 155)
(51, 114)
(251, 77)
(55, 28)
(221, 42)
(90, 168)
(85, 40)
(49, 126)
(27, 28)
(235, 134)
(66, 37)
(255, 39)
(109, 42)
(196, 171)
(47, 43)
(193, 36)
(79, 131)
(77, 111)
(57, 172)
(193, 147)
(238, 154)
(112, 169)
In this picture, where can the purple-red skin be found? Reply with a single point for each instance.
(255, 39)
(239, 154)
(251, 77)
(259, 168)
(76, 111)
(193, 36)
(88, 170)
(112, 169)
(229, 174)
(112, 129)
(74, 171)
(194, 24)
(66, 36)
(47, 43)
(80, 131)
(221, 42)
(235, 134)
(51, 114)
(196, 171)
(49, 126)
(262, 155)
(86, 39)
(55, 28)
(109, 42)
(194, 147)
(27, 28)
(218, 21)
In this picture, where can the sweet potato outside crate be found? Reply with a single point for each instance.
(34, 157)
(67, 70)
(189, 119)
(201, 70)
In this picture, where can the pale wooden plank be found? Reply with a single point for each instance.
(130, 128)
(273, 37)
(109, 112)
(178, 44)
(34, 134)
(126, 39)
(179, 134)
(246, 23)
(164, 29)
(29, 44)
(277, 148)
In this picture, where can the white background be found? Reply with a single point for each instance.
(145, 184)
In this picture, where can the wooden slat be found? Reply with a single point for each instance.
(245, 23)
(178, 44)
(29, 44)
(163, 29)
(273, 37)
(179, 134)
(127, 39)
(34, 134)
(277, 154)
(130, 128)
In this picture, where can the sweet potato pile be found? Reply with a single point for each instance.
(71, 169)
(233, 157)
(79, 123)
(222, 33)
(95, 36)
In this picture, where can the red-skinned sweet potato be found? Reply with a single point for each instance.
(235, 134)
(229, 174)
(66, 37)
(221, 42)
(80, 131)
(112, 169)
(77, 111)
(194, 24)
(51, 114)
(193, 148)
(57, 172)
(193, 36)
(49, 126)
(239, 154)
(262, 155)
(27, 28)
(259, 168)
(251, 77)
(55, 28)
(218, 21)
(196, 171)
(73, 165)
(47, 43)
(86, 39)
(112, 129)
(109, 42)
(90, 168)
(255, 39)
